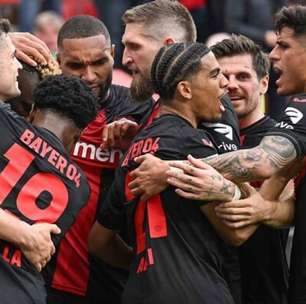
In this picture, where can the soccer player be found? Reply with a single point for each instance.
(262, 257)
(178, 254)
(282, 144)
(85, 51)
(148, 27)
(246, 68)
(28, 78)
(39, 182)
(152, 25)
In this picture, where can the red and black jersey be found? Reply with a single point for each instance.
(262, 257)
(178, 255)
(39, 183)
(252, 135)
(70, 270)
(292, 125)
(225, 136)
(224, 133)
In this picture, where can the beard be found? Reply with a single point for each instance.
(104, 87)
(141, 88)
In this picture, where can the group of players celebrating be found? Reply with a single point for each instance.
(109, 195)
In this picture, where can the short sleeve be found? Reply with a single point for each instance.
(292, 125)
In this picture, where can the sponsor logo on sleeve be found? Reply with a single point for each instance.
(294, 115)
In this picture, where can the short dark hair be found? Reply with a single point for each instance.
(68, 96)
(174, 63)
(241, 45)
(293, 17)
(164, 15)
(82, 26)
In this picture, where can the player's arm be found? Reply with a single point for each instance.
(153, 175)
(273, 205)
(107, 245)
(261, 162)
(33, 240)
(104, 242)
(119, 134)
(234, 236)
(279, 191)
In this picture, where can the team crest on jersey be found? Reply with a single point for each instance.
(294, 114)
(221, 128)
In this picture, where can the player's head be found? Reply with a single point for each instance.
(9, 65)
(28, 78)
(84, 50)
(187, 76)
(246, 67)
(147, 28)
(289, 54)
(69, 100)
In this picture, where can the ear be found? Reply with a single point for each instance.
(184, 89)
(263, 85)
(168, 41)
(113, 50)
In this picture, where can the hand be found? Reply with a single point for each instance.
(241, 213)
(30, 49)
(37, 245)
(119, 134)
(149, 178)
(199, 181)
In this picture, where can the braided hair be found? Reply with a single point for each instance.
(174, 63)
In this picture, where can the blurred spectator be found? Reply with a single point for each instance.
(254, 19)
(198, 10)
(9, 10)
(215, 38)
(110, 12)
(72, 8)
(46, 27)
(30, 8)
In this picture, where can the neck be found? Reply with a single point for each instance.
(251, 118)
(61, 127)
(180, 109)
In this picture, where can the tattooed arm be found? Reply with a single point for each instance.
(261, 162)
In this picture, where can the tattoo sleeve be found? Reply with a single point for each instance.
(273, 153)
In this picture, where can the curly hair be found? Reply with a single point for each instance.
(68, 96)
(174, 63)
